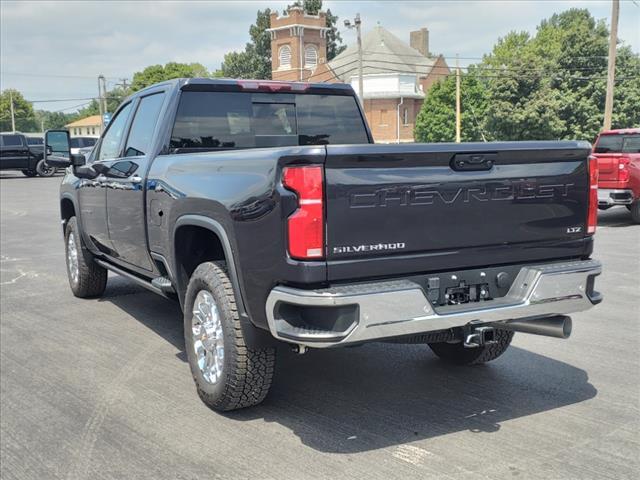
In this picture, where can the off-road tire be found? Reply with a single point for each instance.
(460, 355)
(247, 373)
(45, 170)
(92, 278)
(635, 211)
(29, 173)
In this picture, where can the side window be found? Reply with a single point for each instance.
(143, 125)
(11, 140)
(110, 144)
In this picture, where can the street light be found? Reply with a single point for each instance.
(356, 25)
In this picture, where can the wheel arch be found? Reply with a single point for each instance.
(211, 243)
(67, 211)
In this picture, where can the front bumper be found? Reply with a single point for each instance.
(608, 197)
(382, 310)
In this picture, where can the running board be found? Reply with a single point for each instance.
(164, 284)
(140, 281)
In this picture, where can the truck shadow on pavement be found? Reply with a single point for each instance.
(615, 217)
(365, 398)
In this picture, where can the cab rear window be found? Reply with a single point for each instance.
(618, 144)
(231, 120)
(11, 141)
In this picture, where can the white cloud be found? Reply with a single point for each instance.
(85, 38)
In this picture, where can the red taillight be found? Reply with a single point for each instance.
(623, 169)
(306, 224)
(592, 215)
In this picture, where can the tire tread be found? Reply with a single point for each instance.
(249, 380)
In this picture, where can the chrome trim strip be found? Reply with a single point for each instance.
(399, 307)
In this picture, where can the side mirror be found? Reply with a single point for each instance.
(77, 159)
(57, 152)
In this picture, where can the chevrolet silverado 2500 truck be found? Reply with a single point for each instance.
(19, 152)
(618, 154)
(265, 209)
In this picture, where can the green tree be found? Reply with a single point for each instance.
(553, 84)
(158, 73)
(547, 86)
(24, 115)
(436, 121)
(255, 60)
(46, 120)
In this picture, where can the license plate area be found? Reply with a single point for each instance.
(464, 293)
(467, 286)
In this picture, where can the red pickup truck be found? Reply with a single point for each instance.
(618, 153)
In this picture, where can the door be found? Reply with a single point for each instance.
(125, 186)
(15, 154)
(92, 192)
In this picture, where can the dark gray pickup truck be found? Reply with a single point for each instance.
(266, 210)
(19, 152)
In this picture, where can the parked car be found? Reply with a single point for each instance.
(266, 210)
(618, 154)
(78, 143)
(16, 153)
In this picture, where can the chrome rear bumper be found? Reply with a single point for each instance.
(381, 310)
(608, 197)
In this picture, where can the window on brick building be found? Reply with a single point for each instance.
(284, 55)
(405, 116)
(310, 56)
(383, 117)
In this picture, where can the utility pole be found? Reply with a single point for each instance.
(100, 105)
(611, 70)
(13, 117)
(458, 123)
(359, 33)
(357, 25)
(124, 83)
(104, 94)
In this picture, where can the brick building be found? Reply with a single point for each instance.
(395, 76)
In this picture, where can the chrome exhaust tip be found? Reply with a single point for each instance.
(558, 326)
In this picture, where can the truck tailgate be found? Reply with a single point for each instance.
(608, 167)
(421, 201)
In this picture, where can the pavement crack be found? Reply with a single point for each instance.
(79, 468)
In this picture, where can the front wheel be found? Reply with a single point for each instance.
(460, 355)
(29, 173)
(86, 278)
(228, 374)
(45, 170)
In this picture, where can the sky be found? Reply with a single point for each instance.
(56, 50)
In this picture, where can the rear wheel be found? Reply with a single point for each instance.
(29, 173)
(634, 208)
(458, 354)
(44, 170)
(86, 278)
(228, 374)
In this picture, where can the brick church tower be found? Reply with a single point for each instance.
(298, 45)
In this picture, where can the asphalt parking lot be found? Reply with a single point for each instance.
(94, 389)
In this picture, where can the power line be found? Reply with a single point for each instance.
(471, 58)
(516, 76)
(70, 108)
(51, 75)
(373, 64)
(112, 97)
(478, 70)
